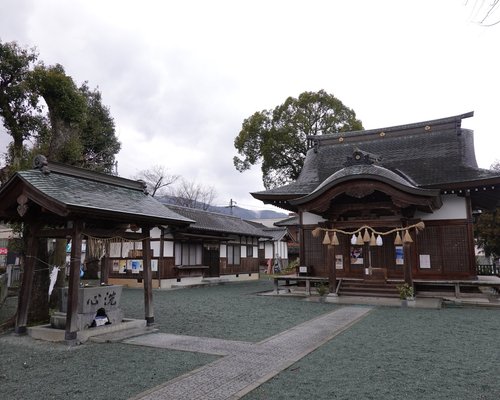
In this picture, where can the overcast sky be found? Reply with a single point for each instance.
(180, 77)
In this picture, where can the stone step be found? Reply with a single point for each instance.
(118, 336)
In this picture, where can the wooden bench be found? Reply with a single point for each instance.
(297, 279)
(190, 270)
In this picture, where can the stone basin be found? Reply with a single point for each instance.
(90, 299)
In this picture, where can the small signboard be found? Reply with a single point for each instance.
(303, 269)
(3, 251)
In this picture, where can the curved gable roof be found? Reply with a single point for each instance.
(433, 154)
(363, 172)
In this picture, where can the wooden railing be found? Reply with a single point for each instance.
(488, 269)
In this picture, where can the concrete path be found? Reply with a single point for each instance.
(244, 366)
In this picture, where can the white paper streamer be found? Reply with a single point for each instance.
(53, 279)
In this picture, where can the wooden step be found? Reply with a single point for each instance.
(368, 288)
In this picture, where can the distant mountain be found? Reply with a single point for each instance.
(244, 213)
(240, 212)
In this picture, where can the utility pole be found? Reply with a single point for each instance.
(232, 204)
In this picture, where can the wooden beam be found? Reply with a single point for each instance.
(147, 276)
(74, 283)
(110, 233)
(27, 282)
(55, 233)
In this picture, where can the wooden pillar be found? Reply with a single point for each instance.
(104, 267)
(160, 261)
(407, 264)
(302, 248)
(470, 237)
(27, 282)
(74, 283)
(332, 269)
(147, 276)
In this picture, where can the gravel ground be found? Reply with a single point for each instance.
(399, 353)
(231, 311)
(8, 308)
(32, 369)
(392, 353)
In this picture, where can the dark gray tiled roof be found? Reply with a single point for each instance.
(276, 233)
(215, 222)
(430, 154)
(290, 221)
(77, 193)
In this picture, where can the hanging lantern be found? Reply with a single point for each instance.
(398, 240)
(379, 241)
(353, 239)
(366, 236)
(407, 238)
(326, 240)
(335, 239)
(359, 240)
(373, 241)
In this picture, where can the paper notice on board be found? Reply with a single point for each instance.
(425, 261)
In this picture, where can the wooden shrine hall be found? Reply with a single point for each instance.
(393, 204)
(58, 201)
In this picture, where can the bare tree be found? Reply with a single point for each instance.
(157, 180)
(193, 195)
(485, 13)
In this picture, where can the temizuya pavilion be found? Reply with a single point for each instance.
(58, 201)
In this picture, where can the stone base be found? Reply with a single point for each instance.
(58, 319)
(46, 332)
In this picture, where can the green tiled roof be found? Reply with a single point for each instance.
(88, 194)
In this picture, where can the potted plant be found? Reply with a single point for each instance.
(405, 293)
(322, 289)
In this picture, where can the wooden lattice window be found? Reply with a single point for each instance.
(455, 249)
(429, 243)
(315, 251)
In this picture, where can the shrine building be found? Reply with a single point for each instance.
(393, 204)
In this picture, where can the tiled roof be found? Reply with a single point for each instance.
(276, 233)
(88, 193)
(215, 222)
(290, 221)
(430, 154)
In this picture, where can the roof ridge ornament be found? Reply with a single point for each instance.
(362, 157)
(40, 162)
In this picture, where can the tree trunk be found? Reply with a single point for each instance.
(39, 304)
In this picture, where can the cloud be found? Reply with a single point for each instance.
(180, 77)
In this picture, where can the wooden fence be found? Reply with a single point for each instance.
(488, 269)
(3, 288)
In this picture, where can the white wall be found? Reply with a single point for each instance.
(279, 247)
(269, 250)
(168, 249)
(454, 207)
(155, 233)
(311, 219)
(223, 251)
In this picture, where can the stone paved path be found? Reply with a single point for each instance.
(244, 366)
